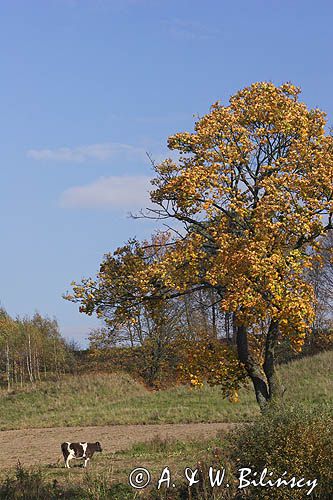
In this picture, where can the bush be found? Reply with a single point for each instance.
(100, 487)
(30, 485)
(296, 440)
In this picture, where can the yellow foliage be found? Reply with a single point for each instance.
(253, 188)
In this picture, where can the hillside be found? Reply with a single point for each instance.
(107, 399)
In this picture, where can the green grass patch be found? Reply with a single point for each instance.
(293, 438)
(106, 399)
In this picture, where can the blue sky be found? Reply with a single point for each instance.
(87, 87)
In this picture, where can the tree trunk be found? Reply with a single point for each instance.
(252, 367)
(37, 365)
(269, 362)
(8, 366)
(29, 369)
(188, 314)
(213, 306)
(264, 378)
(29, 359)
(21, 372)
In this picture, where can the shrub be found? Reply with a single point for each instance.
(30, 485)
(296, 440)
(100, 487)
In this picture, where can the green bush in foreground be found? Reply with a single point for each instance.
(32, 485)
(297, 440)
(29, 486)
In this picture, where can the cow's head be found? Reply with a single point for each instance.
(98, 446)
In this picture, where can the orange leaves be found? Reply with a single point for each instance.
(265, 142)
(214, 361)
(253, 190)
(259, 177)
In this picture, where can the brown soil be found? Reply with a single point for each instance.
(42, 446)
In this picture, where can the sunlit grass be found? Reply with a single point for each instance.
(106, 399)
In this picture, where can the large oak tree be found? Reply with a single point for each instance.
(252, 189)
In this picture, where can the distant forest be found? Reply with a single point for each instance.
(31, 349)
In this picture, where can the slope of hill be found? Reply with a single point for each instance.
(107, 399)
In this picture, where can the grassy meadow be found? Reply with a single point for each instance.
(107, 477)
(111, 469)
(115, 398)
(102, 399)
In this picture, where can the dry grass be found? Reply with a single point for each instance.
(106, 399)
(116, 398)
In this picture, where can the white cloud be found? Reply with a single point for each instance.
(128, 192)
(101, 152)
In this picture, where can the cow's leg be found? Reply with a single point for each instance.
(86, 460)
(70, 456)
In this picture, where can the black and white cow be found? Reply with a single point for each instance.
(79, 450)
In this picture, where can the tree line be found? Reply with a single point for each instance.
(31, 349)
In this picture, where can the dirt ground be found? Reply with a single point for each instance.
(42, 446)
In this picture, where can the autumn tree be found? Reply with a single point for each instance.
(142, 334)
(252, 191)
(31, 348)
(157, 340)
